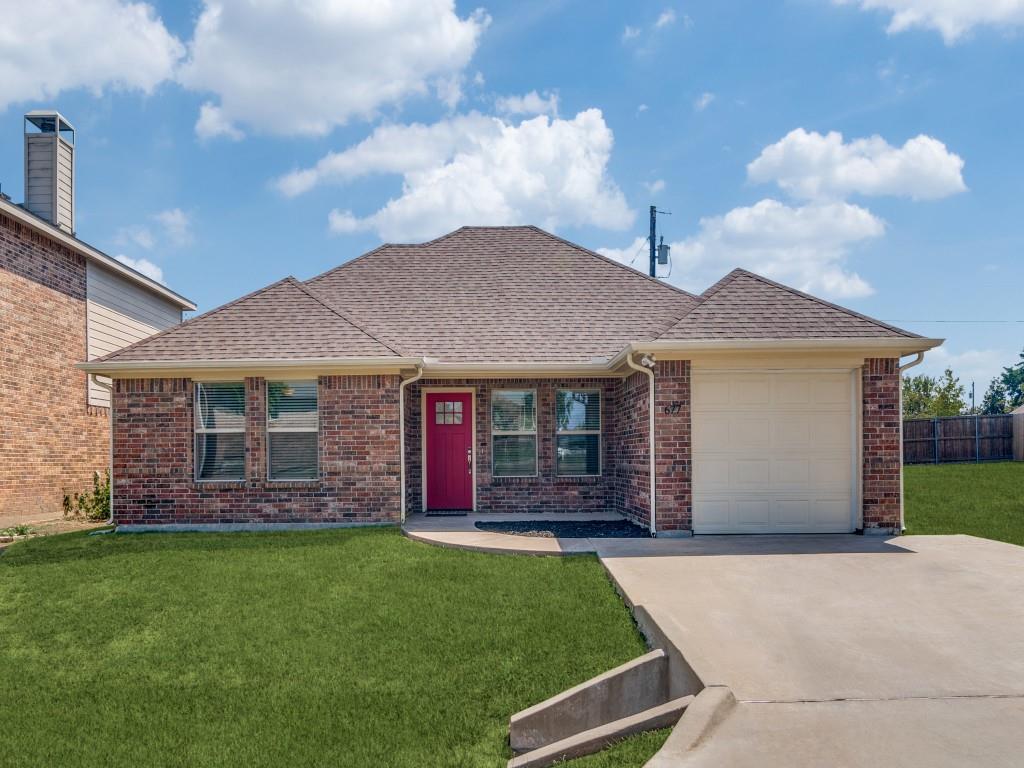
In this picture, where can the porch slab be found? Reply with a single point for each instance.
(461, 533)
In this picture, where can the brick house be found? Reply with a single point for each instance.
(504, 369)
(60, 299)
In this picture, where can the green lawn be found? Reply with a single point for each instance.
(980, 499)
(328, 648)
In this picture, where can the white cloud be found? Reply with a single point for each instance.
(145, 266)
(977, 365)
(656, 186)
(630, 33)
(135, 235)
(703, 101)
(177, 226)
(303, 68)
(666, 17)
(805, 247)
(50, 46)
(212, 123)
(531, 103)
(951, 18)
(810, 165)
(641, 109)
(475, 169)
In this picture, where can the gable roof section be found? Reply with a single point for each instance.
(501, 294)
(743, 305)
(282, 321)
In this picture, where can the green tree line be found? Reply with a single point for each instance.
(930, 396)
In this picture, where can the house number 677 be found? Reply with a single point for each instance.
(673, 408)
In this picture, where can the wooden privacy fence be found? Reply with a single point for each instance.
(958, 438)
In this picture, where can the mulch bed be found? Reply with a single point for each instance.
(567, 529)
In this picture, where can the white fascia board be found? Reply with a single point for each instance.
(901, 345)
(108, 262)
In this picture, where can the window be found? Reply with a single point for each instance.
(578, 432)
(292, 430)
(220, 430)
(448, 412)
(513, 433)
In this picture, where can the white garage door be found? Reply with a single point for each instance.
(772, 452)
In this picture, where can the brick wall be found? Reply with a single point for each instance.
(674, 464)
(881, 443)
(359, 467)
(632, 462)
(544, 493)
(51, 441)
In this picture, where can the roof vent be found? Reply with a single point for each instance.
(50, 168)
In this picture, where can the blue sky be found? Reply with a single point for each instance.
(866, 150)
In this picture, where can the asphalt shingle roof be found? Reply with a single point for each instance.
(489, 295)
(283, 320)
(743, 305)
(501, 294)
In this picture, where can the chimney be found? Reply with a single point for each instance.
(50, 168)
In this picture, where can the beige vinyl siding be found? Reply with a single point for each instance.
(39, 166)
(120, 313)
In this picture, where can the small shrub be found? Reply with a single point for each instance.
(93, 504)
(16, 530)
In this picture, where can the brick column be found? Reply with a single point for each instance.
(672, 441)
(881, 444)
(255, 429)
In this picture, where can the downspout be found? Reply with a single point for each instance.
(110, 410)
(646, 367)
(401, 429)
(916, 361)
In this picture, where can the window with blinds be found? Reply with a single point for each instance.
(292, 430)
(577, 432)
(513, 433)
(220, 430)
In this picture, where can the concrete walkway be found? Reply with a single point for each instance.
(841, 650)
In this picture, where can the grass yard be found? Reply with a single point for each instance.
(327, 648)
(980, 499)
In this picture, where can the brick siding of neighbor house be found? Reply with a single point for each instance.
(672, 435)
(632, 462)
(359, 467)
(546, 492)
(51, 440)
(881, 443)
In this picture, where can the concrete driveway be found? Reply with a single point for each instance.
(844, 650)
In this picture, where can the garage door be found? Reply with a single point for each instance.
(772, 452)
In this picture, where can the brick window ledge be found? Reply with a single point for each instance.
(258, 485)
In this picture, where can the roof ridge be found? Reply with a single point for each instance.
(823, 302)
(191, 320)
(343, 264)
(715, 287)
(308, 292)
(620, 265)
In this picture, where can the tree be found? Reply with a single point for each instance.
(994, 400)
(928, 397)
(918, 394)
(949, 396)
(1012, 379)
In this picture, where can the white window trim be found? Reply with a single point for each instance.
(517, 433)
(199, 429)
(268, 429)
(598, 431)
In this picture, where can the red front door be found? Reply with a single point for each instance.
(449, 459)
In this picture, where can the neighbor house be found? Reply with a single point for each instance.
(504, 369)
(60, 300)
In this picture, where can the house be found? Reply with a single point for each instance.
(503, 369)
(60, 299)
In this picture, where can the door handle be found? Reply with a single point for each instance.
(469, 460)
